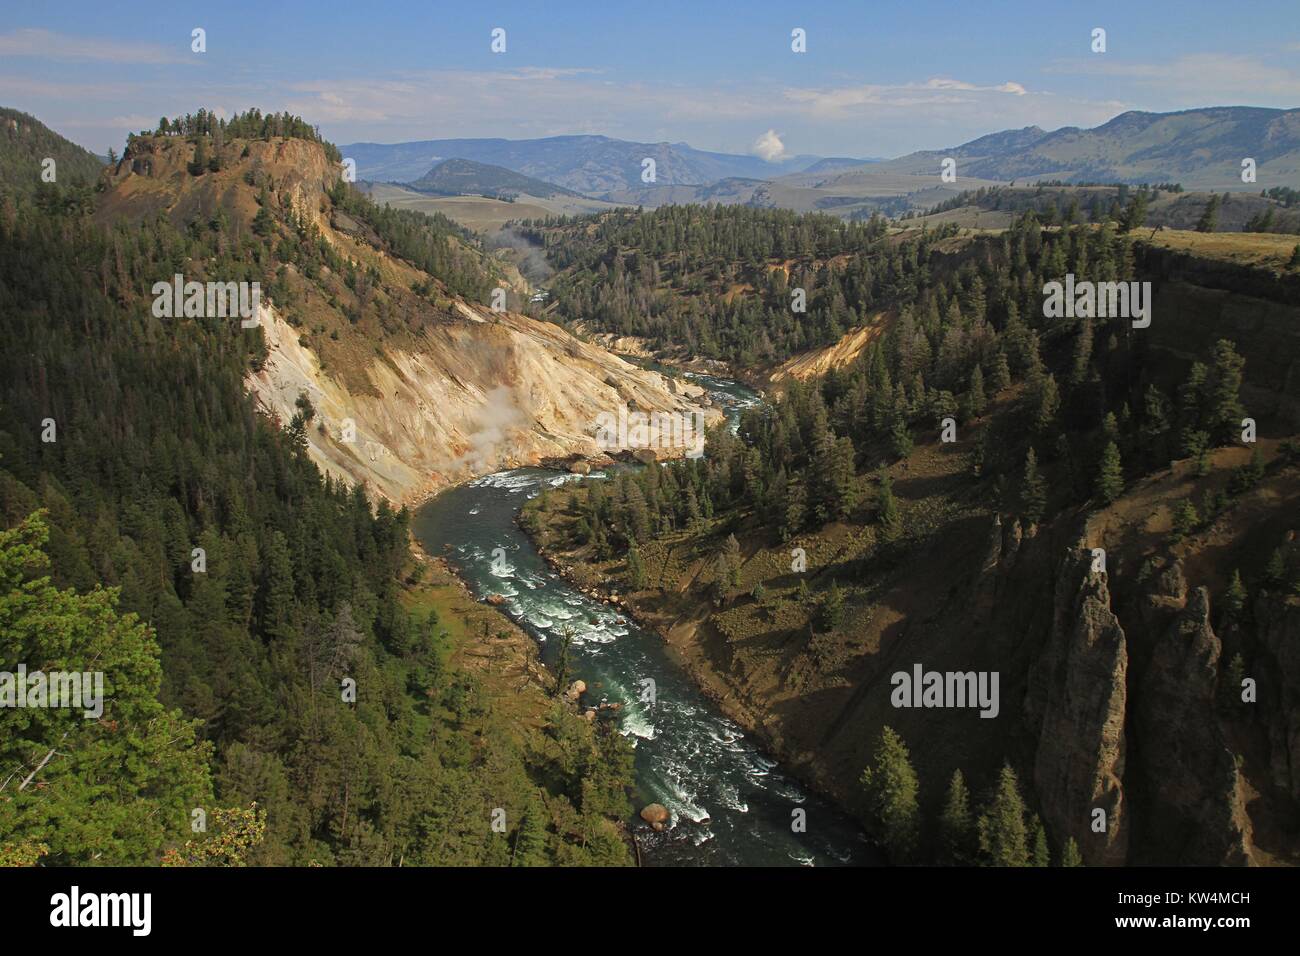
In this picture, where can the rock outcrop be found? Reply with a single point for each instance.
(1192, 788)
(1077, 700)
(1277, 617)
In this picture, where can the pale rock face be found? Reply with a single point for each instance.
(492, 391)
(1079, 701)
(818, 362)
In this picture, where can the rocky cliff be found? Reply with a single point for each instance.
(481, 392)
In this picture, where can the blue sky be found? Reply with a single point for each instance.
(878, 78)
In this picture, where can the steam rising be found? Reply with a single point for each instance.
(768, 147)
(498, 417)
(532, 261)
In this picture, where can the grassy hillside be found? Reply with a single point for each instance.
(481, 214)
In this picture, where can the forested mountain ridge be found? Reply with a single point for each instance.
(34, 159)
(280, 666)
(841, 538)
(751, 287)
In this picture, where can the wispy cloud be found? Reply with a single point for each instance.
(943, 111)
(1198, 78)
(845, 101)
(61, 46)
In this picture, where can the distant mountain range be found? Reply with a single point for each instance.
(1200, 148)
(592, 165)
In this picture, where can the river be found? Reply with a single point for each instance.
(730, 802)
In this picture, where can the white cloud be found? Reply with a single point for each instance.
(944, 83)
(768, 147)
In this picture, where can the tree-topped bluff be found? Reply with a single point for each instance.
(376, 320)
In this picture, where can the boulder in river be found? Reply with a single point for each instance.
(576, 690)
(657, 815)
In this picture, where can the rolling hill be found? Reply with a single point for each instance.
(464, 177)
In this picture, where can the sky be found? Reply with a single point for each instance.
(878, 78)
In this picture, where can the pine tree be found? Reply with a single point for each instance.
(1048, 404)
(831, 613)
(1230, 686)
(726, 568)
(1070, 854)
(1210, 217)
(1223, 403)
(1041, 855)
(276, 594)
(1136, 213)
(1155, 426)
(1033, 490)
(530, 838)
(892, 789)
(834, 467)
(1002, 837)
(975, 397)
(887, 507)
(1082, 354)
(635, 566)
(693, 517)
(900, 437)
(1234, 599)
(199, 165)
(731, 548)
(978, 456)
(956, 827)
(1110, 479)
(796, 510)
(1001, 372)
(1275, 570)
(1185, 520)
